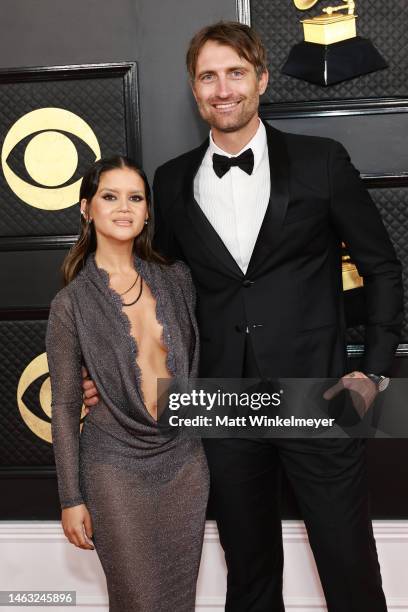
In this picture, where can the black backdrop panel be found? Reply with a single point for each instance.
(384, 23)
(377, 143)
(29, 497)
(80, 97)
(31, 279)
(104, 97)
(21, 342)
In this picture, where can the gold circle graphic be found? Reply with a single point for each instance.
(51, 158)
(36, 368)
(45, 396)
(46, 120)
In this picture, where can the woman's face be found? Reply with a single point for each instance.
(119, 207)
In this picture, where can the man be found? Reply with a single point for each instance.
(259, 216)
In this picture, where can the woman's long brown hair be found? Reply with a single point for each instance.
(86, 243)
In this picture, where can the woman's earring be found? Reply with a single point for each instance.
(146, 221)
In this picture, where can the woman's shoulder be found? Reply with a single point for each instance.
(180, 268)
(62, 303)
(175, 269)
(181, 272)
(176, 276)
(61, 298)
(183, 280)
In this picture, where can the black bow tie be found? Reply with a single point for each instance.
(222, 164)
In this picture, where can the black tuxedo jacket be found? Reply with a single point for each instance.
(291, 298)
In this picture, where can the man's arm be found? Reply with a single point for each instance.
(359, 224)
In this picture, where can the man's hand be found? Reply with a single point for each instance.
(363, 391)
(90, 392)
(77, 525)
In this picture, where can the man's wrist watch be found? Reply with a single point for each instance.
(381, 382)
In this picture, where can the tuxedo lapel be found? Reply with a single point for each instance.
(203, 227)
(271, 227)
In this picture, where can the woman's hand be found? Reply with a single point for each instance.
(77, 526)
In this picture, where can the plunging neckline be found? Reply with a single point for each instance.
(140, 267)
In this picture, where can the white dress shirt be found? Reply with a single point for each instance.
(235, 204)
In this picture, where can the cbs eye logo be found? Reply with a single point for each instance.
(37, 368)
(50, 157)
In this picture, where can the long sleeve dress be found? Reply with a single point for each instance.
(146, 492)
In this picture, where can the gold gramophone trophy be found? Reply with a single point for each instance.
(353, 290)
(331, 51)
(351, 277)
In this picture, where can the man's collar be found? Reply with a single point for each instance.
(257, 143)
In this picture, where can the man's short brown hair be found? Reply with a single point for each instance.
(243, 39)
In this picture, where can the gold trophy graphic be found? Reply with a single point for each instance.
(351, 277)
(331, 51)
(353, 287)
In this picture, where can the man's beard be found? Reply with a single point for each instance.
(232, 124)
(235, 127)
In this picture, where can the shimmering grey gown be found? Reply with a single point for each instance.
(146, 493)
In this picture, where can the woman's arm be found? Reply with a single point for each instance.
(64, 363)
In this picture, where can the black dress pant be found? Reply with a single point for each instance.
(329, 479)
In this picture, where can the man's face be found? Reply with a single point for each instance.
(226, 87)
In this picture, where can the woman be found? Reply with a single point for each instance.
(128, 316)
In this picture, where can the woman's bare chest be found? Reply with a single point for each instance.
(145, 328)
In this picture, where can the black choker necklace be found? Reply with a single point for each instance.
(131, 287)
(140, 292)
